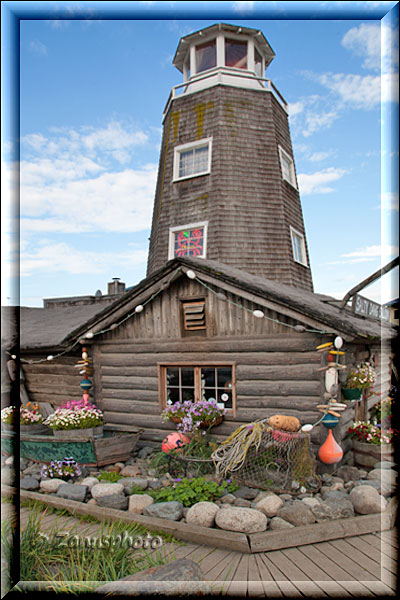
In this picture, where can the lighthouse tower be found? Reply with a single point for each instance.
(227, 188)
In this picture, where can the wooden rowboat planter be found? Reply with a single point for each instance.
(90, 451)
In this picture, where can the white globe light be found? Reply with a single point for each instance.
(89, 335)
(139, 308)
(307, 427)
(50, 357)
(191, 274)
(338, 342)
(258, 314)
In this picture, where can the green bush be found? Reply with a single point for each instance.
(189, 491)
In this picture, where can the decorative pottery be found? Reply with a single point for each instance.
(330, 452)
(79, 434)
(366, 455)
(352, 393)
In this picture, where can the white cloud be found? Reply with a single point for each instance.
(37, 47)
(63, 258)
(385, 251)
(295, 108)
(317, 183)
(356, 90)
(320, 156)
(365, 41)
(243, 6)
(315, 122)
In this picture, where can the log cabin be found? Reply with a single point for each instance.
(227, 308)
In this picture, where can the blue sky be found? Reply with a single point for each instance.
(93, 89)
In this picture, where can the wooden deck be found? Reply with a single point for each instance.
(359, 566)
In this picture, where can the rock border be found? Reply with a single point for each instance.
(230, 540)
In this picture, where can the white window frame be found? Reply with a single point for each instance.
(173, 230)
(283, 155)
(295, 233)
(192, 146)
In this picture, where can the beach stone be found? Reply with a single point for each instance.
(9, 461)
(330, 494)
(245, 520)
(112, 468)
(138, 481)
(131, 471)
(117, 501)
(269, 505)
(155, 485)
(242, 502)
(342, 508)
(90, 481)
(366, 500)
(227, 499)
(23, 464)
(386, 464)
(165, 510)
(202, 513)
(92, 501)
(106, 489)
(387, 479)
(50, 486)
(348, 473)
(29, 483)
(297, 513)
(311, 502)
(278, 523)
(373, 483)
(73, 491)
(34, 468)
(8, 476)
(138, 502)
(145, 452)
(323, 511)
(246, 493)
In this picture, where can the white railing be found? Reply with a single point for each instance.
(182, 88)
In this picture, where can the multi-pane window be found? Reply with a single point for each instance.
(192, 159)
(189, 240)
(287, 166)
(200, 382)
(258, 63)
(206, 56)
(299, 247)
(235, 54)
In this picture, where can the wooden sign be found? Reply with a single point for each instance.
(368, 308)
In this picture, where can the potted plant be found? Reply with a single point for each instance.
(61, 469)
(371, 443)
(192, 416)
(76, 419)
(359, 378)
(30, 419)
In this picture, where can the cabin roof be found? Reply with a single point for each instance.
(59, 327)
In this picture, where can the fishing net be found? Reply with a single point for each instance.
(259, 456)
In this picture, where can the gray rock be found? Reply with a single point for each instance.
(155, 485)
(341, 508)
(138, 502)
(242, 502)
(245, 520)
(246, 493)
(106, 489)
(297, 513)
(29, 483)
(348, 473)
(180, 577)
(334, 494)
(73, 491)
(322, 511)
(367, 500)
(278, 523)
(50, 486)
(145, 452)
(202, 513)
(90, 481)
(386, 464)
(117, 501)
(311, 502)
(387, 479)
(8, 476)
(165, 510)
(374, 484)
(227, 499)
(35, 468)
(23, 464)
(270, 505)
(127, 482)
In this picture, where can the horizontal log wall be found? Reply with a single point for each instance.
(273, 375)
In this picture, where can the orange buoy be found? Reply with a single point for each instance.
(330, 452)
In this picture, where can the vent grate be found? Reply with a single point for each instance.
(194, 315)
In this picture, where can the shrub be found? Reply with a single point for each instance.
(110, 476)
(189, 491)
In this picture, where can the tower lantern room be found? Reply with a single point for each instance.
(227, 186)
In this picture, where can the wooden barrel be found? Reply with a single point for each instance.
(367, 455)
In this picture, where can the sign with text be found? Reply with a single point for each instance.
(368, 308)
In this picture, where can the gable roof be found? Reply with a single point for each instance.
(60, 327)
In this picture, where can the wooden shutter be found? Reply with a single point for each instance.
(194, 315)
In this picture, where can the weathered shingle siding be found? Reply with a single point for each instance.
(248, 206)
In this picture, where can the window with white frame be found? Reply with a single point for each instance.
(188, 240)
(287, 167)
(193, 159)
(299, 247)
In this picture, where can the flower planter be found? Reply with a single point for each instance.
(367, 455)
(352, 393)
(203, 424)
(34, 428)
(78, 434)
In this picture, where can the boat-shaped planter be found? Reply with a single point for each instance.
(91, 451)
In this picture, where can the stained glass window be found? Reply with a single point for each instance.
(189, 242)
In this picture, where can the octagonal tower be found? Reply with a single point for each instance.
(227, 187)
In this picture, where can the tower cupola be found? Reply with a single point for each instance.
(223, 53)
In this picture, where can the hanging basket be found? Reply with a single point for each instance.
(352, 393)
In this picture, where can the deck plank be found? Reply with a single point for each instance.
(390, 536)
(286, 565)
(309, 568)
(226, 576)
(309, 589)
(358, 557)
(270, 586)
(238, 584)
(357, 572)
(255, 586)
(378, 588)
(386, 549)
(376, 554)
(336, 572)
